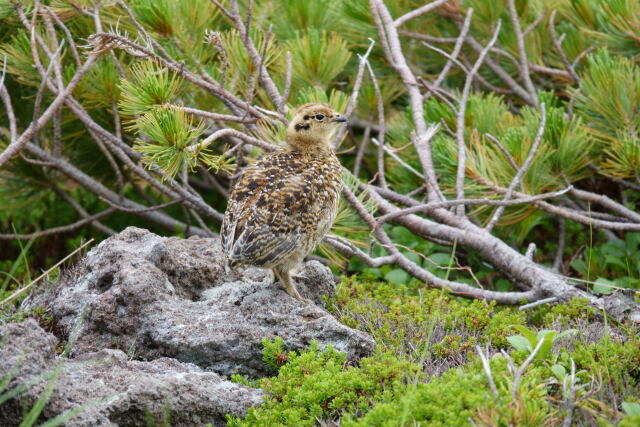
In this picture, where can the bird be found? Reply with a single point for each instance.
(285, 203)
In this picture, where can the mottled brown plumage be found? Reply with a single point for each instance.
(285, 203)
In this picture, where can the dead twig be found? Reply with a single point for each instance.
(460, 119)
(418, 12)
(558, 46)
(516, 180)
(37, 279)
(525, 75)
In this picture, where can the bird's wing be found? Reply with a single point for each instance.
(272, 209)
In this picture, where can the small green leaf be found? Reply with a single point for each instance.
(412, 256)
(632, 409)
(544, 333)
(559, 371)
(603, 286)
(503, 285)
(530, 335)
(546, 346)
(520, 343)
(397, 276)
(440, 258)
(566, 333)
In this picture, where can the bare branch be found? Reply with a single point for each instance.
(19, 143)
(487, 371)
(78, 208)
(531, 250)
(516, 180)
(393, 50)
(538, 303)
(422, 274)
(428, 207)
(397, 158)
(348, 249)
(232, 132)
(68, 36)
(213, 116)
(581, 56)
(288, 78)
(535, 23)
(562, 240)
(382, 128)
(500, 72)
(558, 46)
(37, 279)
(8, 106)
(356, 90)
(504, 150)
(555, 72)
(454, 55)
(141, 210)
(366, 137)
(257, 60)
(428, 37)
(606, 202)
(524, 63)
(418, 12)
(99, 189)
(586, 218)
(58, 230)
(521, 370)
(460, 119)
(110, 40)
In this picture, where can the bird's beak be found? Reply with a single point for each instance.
(340, 119)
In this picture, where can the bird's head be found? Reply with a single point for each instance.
(312, 126)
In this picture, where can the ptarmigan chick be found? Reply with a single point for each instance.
(285, 203)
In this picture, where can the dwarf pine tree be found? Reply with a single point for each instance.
(185, 94)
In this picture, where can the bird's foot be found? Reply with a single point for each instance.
(306, 300)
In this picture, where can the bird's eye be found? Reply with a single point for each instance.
(319, 117)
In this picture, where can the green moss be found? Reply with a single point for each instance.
(462, 397)
(576, 308)
(318, 384)
(274, 354)
(452, 345)
(614, 361)
(426, 371)
(501, 326)
(409, 322)
(37, 313)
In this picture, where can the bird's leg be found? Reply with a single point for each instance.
(297, 275)
(275, 276)
(289, 286)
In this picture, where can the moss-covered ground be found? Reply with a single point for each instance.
(427, 368)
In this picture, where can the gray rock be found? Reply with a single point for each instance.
(170, 297)
(117, 391)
